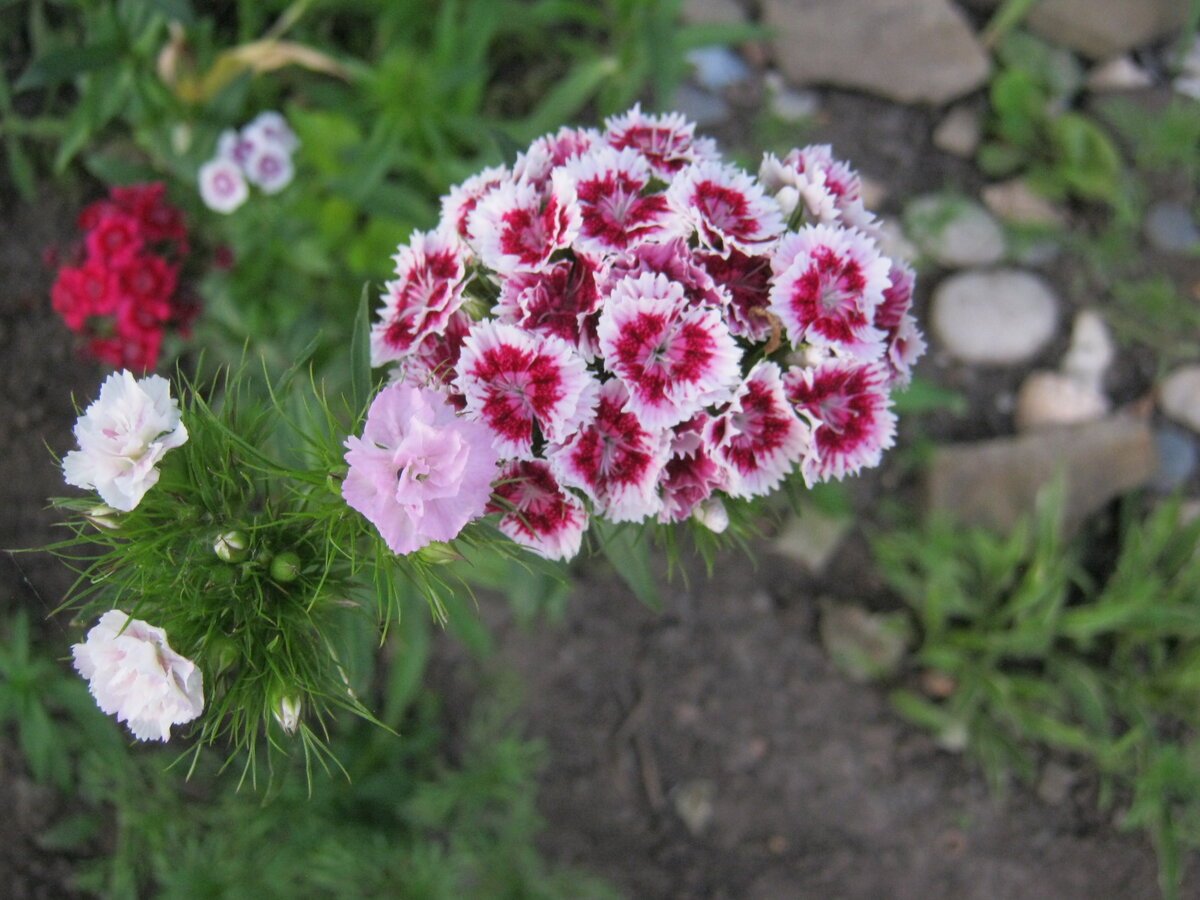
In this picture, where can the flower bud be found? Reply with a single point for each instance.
(439, 553)
(222, 653)
(285, 567)
(103, 516)
(231, 546)
(287, 713)
(712, 515)
(787, 198)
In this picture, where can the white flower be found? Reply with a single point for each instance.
(270, 167)
(223, 187)
(135, 675)
(287, 714)
(272, 128)
(122, 436)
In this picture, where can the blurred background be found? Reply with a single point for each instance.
(971, 673)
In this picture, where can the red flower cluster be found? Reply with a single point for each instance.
(123, 293)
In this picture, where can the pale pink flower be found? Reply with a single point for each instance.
(848, 404)
(514, 380)
(561, 300)
(757, 438)
(537, 512)
(460, 202)
(123, 435)
(726, 209)
(668, 141)
(427, 291)
(514, 229)
(829, 282)
(223, 187)
(420, 472)
(135, 675)
(270, 127)
(615, 212)
(902, 337)
(614, 459)
(673, 358)
(233, 145)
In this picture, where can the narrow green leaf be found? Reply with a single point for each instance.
(629, 553)
(360, 355)
(65, 63)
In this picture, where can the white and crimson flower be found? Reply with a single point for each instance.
(757, 438)
(848, 404)
(614, 459)
(615, 213)
(675, 260)
(550, 151)
(691, 474)
(537, 512)
(901, 335)
(726, 209)
(668, 142)
(460, 203)
(746, 281)
(672, 358)
(513, 228)
(828, 283)
(123, 435)
(436, 356)
(514, 380)
(135, 675)
(561, 300)
(427, 291)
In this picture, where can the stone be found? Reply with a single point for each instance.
(1051, 398)
(1000, 317)
(995, 483)
(1179, 396)
(863, 645)
(931, 55)
(1100, 29)
(1187, 82)
(702, 107)
(717, 68)
(695, 804)
(1120, 73)
(788, 104)
(811, 539)
(1177, 456)
(954, 232)
(1091, 350)
(894, 242)
(1016, 202)
(959, 132)
(1170, 228)
(713, 12)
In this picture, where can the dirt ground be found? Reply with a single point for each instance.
(798, 783)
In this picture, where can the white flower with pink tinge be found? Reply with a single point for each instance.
(135, 675)
(757, 438)
(420, 472)
(667, 141)
(460, 202)
(615, 213)
(674, 359)
(536, 512)
(550, 151)
(830, 190)
(903, 339)
(515, 229)
(427, 291)
(725, 208)
(269, 167)
(561, 300)
(514, 380)
(223, 187)
(829, 282)
(848, 404)
(614, 459)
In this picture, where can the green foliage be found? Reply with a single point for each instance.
(1033, 653)
(1155, 314)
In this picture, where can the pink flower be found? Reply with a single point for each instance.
(847, 403)
(668, 142)
(747, 281)
(513, 230)
(673, 359)
(117, 237)
(903, 339)
(691, 474)
(427, 290)
(614, 459)
(135, 675)
(458, 205)
(615, 211)
(514, 380)
(726, 208)
(419, 473)
(436, 356)
(829, 282)
(757, 438)
(537, 513)
(561, 301)
(673, 259)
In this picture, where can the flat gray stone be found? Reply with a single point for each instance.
(959, 132)
(863, 645)
(1016, 202)
(1000, 317)
(1051, 398)
(954, 232)
(1118, 74)
(811, 539)
(1179, 396)
(1170, 228)
(1100, 29)
(995, 483)
(913, 51)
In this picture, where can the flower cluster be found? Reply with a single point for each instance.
(643, 328)
(259, 154)
(122, 292)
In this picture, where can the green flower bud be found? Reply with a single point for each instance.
(103, 516)
(439, 553)
(223, 653)
(231, 546)
(285, 567)
(287, 713)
